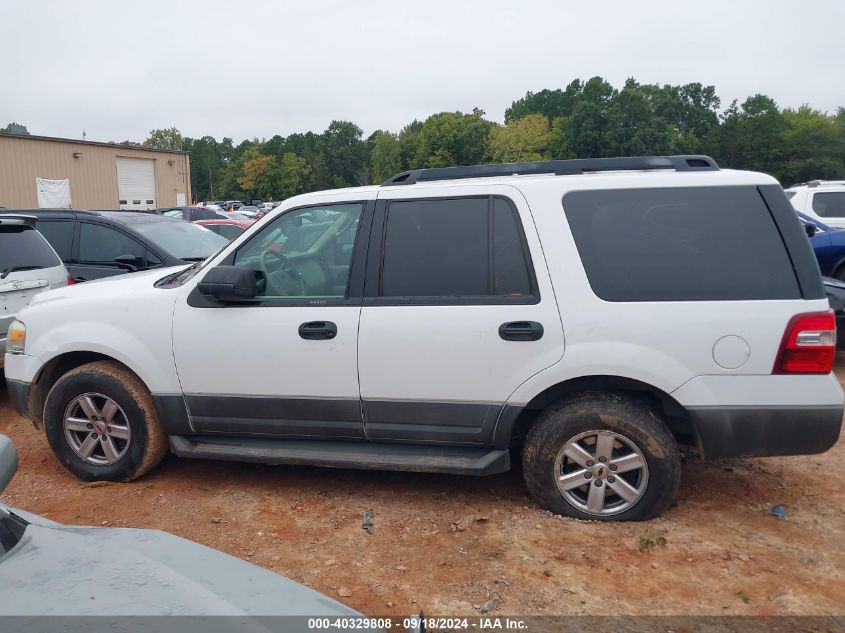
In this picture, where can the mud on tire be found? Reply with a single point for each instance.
(636, 434)
(147, 444)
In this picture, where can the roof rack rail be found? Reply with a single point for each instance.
(557, 167)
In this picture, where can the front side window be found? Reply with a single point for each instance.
(458, 247)
(304, 253)
(829, 204)
(99, 244)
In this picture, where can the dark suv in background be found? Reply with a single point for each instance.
(95, 244)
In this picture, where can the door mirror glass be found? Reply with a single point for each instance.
(8, 461)
(230, 284)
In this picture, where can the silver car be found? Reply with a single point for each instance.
(49, 569)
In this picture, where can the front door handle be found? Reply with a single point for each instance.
(521, 331)
(318, 330)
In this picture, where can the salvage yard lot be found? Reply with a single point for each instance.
(451, 545)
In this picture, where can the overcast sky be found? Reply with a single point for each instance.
(244, 68)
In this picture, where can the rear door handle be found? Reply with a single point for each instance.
(521, 331)
(318, 330)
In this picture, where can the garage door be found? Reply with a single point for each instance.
(136, 185)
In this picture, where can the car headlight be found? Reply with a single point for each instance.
(16, 338)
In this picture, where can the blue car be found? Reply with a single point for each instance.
(829, 246)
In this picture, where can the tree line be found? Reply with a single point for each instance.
(586, 119)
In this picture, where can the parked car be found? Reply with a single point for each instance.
(828, 245)
(230, 229)
(95, 244)
(190, 214)
(594, 314)
(248, 211)
(28, 266)
(822, 200)
(134, 572)
(233, 205)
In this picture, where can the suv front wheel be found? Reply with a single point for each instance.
(102, 424)
(602, 457)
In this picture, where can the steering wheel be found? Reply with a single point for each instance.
(295, 286)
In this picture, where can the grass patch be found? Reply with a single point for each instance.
(647, 543)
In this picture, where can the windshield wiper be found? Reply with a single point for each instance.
(13, 269)
(193, 259)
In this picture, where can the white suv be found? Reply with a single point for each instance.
(822, 200)
(594, 314)
(28, 266)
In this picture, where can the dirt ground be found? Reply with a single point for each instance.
(449, 544)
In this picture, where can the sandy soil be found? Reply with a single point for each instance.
(449, 544)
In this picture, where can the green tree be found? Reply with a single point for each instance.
(526, 139)
(453, 138)
(385, 156)
(169, 138)
(15, 128)
(293, 175)
(549, 103)
(632, 126)
(259, 177)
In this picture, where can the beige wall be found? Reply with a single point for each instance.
(93, 176)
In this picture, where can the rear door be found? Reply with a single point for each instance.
(458, 312)
(99, 246)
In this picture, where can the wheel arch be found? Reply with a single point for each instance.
(515, 421)
(54, 369)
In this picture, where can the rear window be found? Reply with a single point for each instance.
(22, 248)
(680, 244)
(829, 204)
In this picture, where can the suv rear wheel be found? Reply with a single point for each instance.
(102, 424)
(602, 457)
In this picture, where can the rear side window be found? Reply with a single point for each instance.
(680, 244)
(60, 236)
(830, 204)
(463, 247)
(23, 248)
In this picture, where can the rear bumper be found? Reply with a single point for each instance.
(761, 431)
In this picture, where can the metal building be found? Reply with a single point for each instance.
(90, 175)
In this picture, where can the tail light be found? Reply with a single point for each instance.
(70, 280)
(809, 344)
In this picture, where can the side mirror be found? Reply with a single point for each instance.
(8, 461)
(129, 262)
(811, 229)
(229, 284)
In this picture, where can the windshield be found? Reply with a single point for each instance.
(182, 239)
(22, 248)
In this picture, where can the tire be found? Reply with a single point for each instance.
(634, 433)
(131, 440)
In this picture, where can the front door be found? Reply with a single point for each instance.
(285, 364)
(458, 312)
